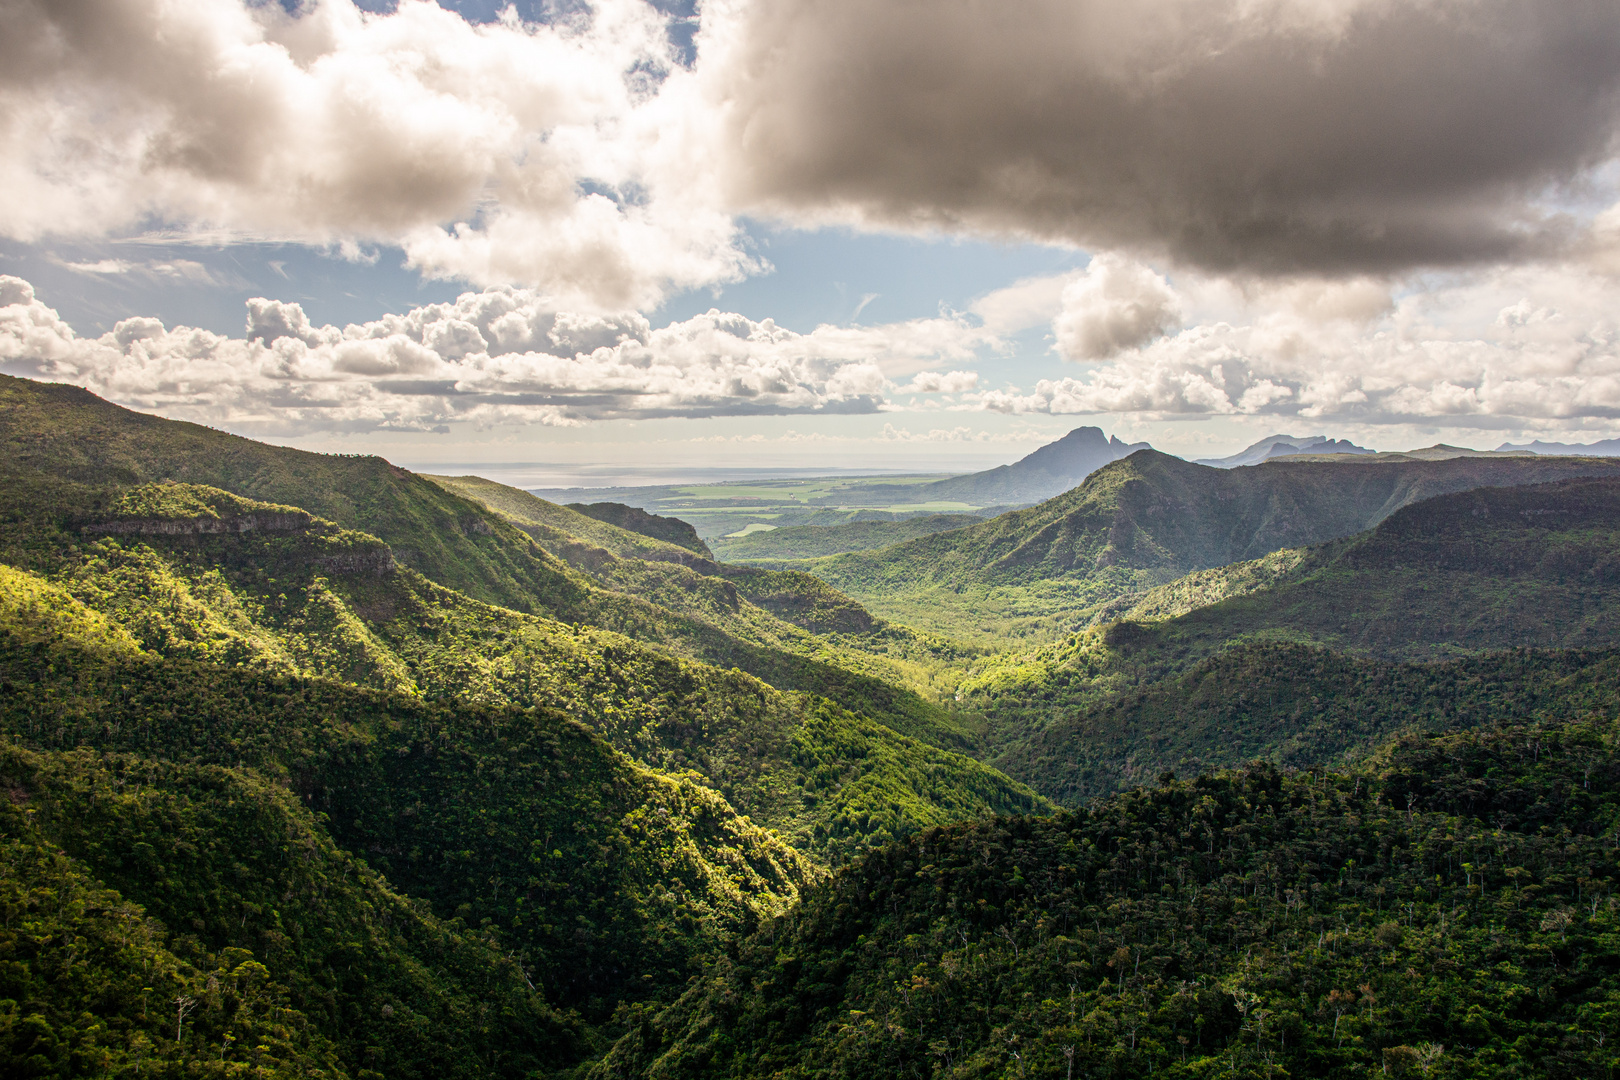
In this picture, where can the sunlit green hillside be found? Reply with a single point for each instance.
(1315, 654)
(70, 453)
(1142, 522)
(299, 596)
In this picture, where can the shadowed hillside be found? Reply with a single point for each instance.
(1446, 911)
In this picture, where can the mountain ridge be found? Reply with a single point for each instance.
(1283, 446)
(1146, 520)
(1043, 473)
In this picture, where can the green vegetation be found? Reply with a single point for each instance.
(199, 665)
(1295, 664)
(815, 541)
(636, 520)
(1448, 911)
(1140, 523)
(1293, 705)
(482, 810)
(324, 602)
(74, 455)
(192, 920)
(317, 768)
(86, 445)
(786, 627)
(563, 524)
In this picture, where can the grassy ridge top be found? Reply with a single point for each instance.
(70, 434)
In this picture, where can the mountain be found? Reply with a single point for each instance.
(63, 444)
(1142, 522)
(1444, 911)
(815, 541)
(1051, 470)
(195, 574)
(397, 806)
(226, 800)
(1314, 655)
(786, 627)
(1283, 445)
(1601, 448)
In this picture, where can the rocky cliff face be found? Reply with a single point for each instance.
(291, 521)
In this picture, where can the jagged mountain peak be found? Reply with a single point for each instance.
(1282, 446)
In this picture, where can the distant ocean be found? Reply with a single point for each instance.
(555, 477)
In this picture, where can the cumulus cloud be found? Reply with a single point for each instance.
(1115, 305)
(563, 156)
(943, 382)
(503, 355)
(1506, 348)
(1254, 136)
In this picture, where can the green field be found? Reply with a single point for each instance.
(725, 509)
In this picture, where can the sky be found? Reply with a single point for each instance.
(887, 234)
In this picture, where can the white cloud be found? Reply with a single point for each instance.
(1115, 305)
(1506, 348)
(500, 356)
(943, 382)
(1023, 304)
(890, 433)
(559, 156)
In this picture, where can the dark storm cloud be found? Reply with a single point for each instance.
(1236, 136)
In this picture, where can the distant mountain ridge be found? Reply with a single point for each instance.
(1149, 519)
(1036, 477)
(1283, 445)
(1601, 448)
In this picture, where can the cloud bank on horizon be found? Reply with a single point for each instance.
(500, 356)
(1379, 211)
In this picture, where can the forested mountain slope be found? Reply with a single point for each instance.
(63, 449)
(636, 520)
(1142, 522)
(178, 571)
(213, 642)
(1299, 663)
(1449, 911)
(188, 920)
(787, 627)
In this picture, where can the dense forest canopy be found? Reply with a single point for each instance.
(316, 767)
